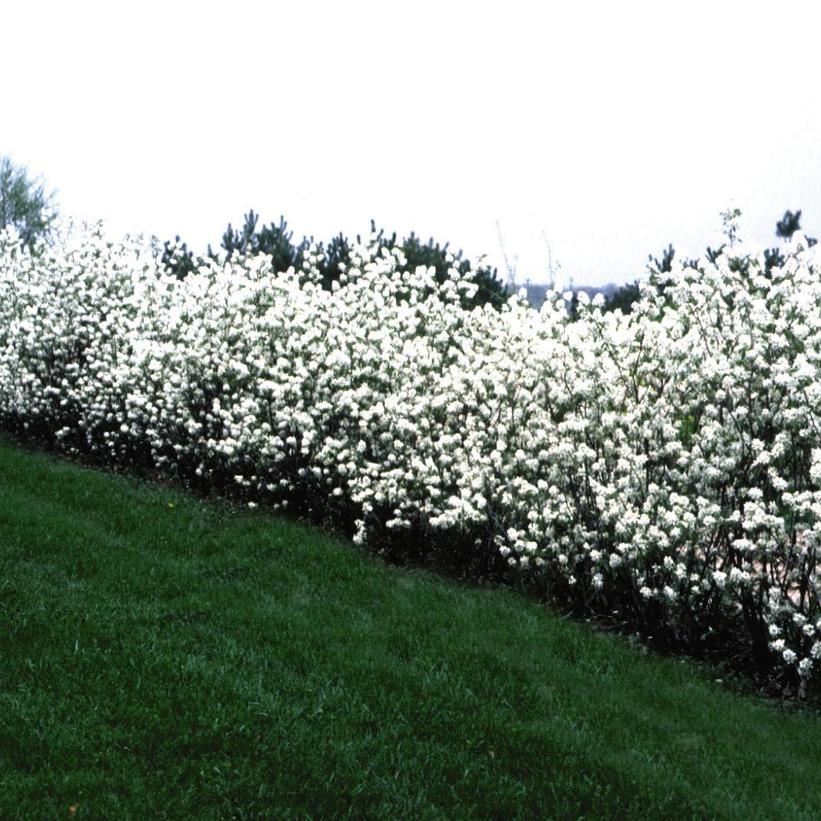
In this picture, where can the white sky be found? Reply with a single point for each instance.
(611, 128)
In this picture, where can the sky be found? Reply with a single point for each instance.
(577, 135)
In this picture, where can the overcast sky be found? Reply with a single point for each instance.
(604, 129)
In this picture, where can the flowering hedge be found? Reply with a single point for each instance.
(665, 464)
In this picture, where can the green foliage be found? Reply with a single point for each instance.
(688, 425)
(624, 298)
(24, 203)
(573, 306)
(788, 224)
(665, 264)
(178, 259)
(432, 254)
(277, 242)
(784, 229)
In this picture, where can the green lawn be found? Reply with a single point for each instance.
(164, 657)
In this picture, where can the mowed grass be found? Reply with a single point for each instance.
(164, 657)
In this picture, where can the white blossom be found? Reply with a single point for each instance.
(668, 457)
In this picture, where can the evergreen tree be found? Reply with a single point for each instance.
(784, 229)
(177, 259)
(277, 242)
(788, 224)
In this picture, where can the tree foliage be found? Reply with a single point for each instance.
(277, 242)
(624, 298)
(24, 202)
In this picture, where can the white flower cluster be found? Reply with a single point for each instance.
(666, 463)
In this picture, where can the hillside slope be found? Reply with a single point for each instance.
(168, 658)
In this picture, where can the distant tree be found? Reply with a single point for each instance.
(784, 229)
(573, 305)
(24, 203)
(773, 258)
(178, 259)
(272, 240)
(277, 242)
(788, 224)
(491, 290)
(627, 295)
(665, 264)
(623, 298)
